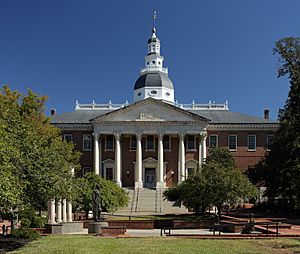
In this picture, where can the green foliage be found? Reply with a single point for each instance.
(35, 164)
(26, 233)
(281, 168)
(112, 196)
(218, 181)
(34, 220)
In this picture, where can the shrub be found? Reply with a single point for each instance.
(25, 233)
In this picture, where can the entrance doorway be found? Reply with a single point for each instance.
(150, 178)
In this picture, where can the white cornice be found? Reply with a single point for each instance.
(73, 126)
(246, 126)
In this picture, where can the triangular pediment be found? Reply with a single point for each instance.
(150, 110)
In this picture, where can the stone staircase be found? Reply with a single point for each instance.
(149, 201)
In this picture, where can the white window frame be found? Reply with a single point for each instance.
(131, 148)
(232, 135)
(150, 149)
(108, 164)
(168, 149)
(187, 143)
(248, 142)
(113, 143)
(217, 140)
(68, 135)
(89, 138)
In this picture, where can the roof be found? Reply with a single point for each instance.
(216, 117)
(153, 79)
(77, 116)
(227, 117)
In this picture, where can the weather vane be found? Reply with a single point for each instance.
(154, 17)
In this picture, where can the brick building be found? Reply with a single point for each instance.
(156, 142)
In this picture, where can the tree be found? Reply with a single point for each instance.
(218, 182)
(35, 163)
(112, 196)
(282, 162)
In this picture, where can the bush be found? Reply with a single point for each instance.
(38, 222)
(25, 233)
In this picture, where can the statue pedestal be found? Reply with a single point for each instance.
(95, 227)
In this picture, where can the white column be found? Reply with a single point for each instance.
(51, 211)
(58, 211)
(200, 162)
(138, 162)
(69, 211)
(160, 174)
(203, 146)
(181, 171)
(96, 153)
(118, 159)
(64, 210)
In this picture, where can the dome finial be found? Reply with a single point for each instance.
(154, 18)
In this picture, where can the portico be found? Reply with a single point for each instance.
(149, 135)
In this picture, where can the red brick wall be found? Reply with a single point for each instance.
(242, 156)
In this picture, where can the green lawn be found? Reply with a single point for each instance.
(90, 244)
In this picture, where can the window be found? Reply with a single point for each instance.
(150, 142)
(153, 92)
(147, 63)
(190, 171)
(109, 142)
(251, 142)
(159, 63)
(167, 142)
(232, 142)
(133, 142)
(68, 137)
(213, 140)
(87, 142)
(191, 142)
(109, 174)
(153, 62)
(139, 94)
(86, 170)
(270, 140)
(168, 94)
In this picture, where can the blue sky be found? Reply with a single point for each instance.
(92, 50)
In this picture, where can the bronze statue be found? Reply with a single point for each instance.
(97, 203)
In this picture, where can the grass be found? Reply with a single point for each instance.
(90, 244)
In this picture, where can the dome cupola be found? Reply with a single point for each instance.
(154, 81)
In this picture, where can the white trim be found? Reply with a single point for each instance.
(113, 143)
(86, 137)
(70, 135)
(235, 142)
(187, 143)
(217, 140)
(248, 142)
(109, 163)
(146, 147)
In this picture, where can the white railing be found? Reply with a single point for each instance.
(208, 106)
(96, 106)
(147, 69)
(192, 106)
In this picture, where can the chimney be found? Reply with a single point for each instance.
(53, 112)
(266, 113)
